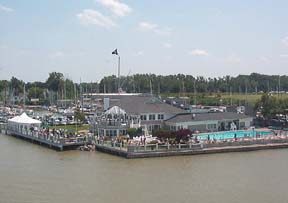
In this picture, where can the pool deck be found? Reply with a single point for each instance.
(130, 154)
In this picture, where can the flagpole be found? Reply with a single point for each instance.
(118, 77)
(118, 73)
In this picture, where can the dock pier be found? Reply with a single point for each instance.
(155, 150)
(51, 141)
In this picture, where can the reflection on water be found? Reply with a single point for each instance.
(32, 173)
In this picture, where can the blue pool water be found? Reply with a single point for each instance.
(231, 134)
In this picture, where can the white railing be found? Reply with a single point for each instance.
(193, 146)
(56, 139)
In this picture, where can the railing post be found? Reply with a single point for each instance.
(156, 146)
(168, 146)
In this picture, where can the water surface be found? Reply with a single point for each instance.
(32, 173)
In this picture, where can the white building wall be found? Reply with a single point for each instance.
(186, 125)
(247, 121)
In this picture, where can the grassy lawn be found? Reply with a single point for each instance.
(71, 127)
(226, 98)
(251, 98)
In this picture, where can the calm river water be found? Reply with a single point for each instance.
(31, 173)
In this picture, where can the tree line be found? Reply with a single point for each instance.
(159, 84)
(57, 87)
(270, 106)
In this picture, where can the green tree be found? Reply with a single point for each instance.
(133, 132)
(16, 85)
(267, 105)
(36, 92)
(79, 116)
(55, 81)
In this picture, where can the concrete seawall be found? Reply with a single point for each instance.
(164, 153)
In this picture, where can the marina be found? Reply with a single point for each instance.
(110, 130)
(118, 101)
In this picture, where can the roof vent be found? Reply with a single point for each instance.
(193, 116)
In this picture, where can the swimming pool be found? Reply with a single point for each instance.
(231, 134)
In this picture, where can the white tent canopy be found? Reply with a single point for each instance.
(14, 119)
(24, 119)
(20, 124)
(115, 110)
(27, 120)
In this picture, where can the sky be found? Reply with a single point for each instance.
(201, 38)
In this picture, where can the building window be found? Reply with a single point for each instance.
(143, 117)
(122, 132)
(160, 116)
(151, 117)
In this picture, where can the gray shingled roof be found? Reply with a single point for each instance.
(180, 118)
(145, 104)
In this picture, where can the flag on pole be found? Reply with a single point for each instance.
(115, 52)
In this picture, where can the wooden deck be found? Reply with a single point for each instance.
(50, 141)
